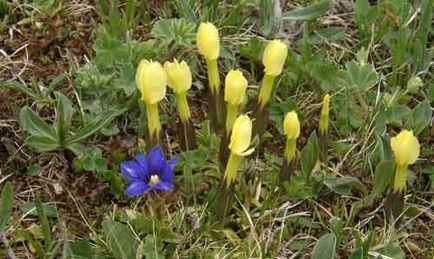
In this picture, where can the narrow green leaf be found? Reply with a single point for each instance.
(57, 81)
(64, 112)
(344, 185)
(328, 35)
(6, 205)
(309, 156)
(29, 208)
(308, 12)
(384, 173)
(325, 247)
(120, 239)
(42, 144)
(34, 125)
(93, 126)
(46, 229)
(18, 87)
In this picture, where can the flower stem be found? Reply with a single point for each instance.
(213, 76)
(290, 149)
(266, 89)
(400, 178)
(231, 116)
(183, 108)
(216, 105)
(154, 125)
(232, 168)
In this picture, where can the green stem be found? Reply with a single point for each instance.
(231, 116)
(266, 89)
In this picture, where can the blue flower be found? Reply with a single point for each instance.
(146, 174)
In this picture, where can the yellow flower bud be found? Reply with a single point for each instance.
(291, 125)
(241, 136)
(178, 75)
(208, 41)
(405, 147)
(235, 87)
(274, 57)
(151, 80)
(324, 119)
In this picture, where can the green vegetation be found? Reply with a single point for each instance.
(72, 111)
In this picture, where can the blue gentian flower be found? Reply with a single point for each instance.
(149, 173)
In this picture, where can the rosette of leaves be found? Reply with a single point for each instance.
(60, 135)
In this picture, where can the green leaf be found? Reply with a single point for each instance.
(278, 111)
(392, 250)
(360, 77)
(151, 248)
(308, 12)
(46, 229)
(57, 81)
(175, 30)
(344, 185)
(29, 208)
(64, 112)
(328, 35)
(384, 173)
(93, 126)
(6, 205)
(420, 117)
(309, 156)
(325, 247)
(34, 125)
(362, 252)
(18, 87)
(34, 170)
(120, 239)
(42, 144)
(78, 149)
(80, 249)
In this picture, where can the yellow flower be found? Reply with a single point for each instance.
(405, 147)
(241, 136)
(179, 76)
(274, 57)
(324, 119)
(235, 87)
(151, 80)
(208, 41)
(291, 125)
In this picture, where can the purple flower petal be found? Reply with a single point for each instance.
(132, 171)
(156, 160)
(144, 163)
(167, 175)
(137, 188)
(164, 186)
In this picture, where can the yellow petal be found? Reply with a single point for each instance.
(178, 75)
(241, 136)
(405, 147)
(274, 57)
(208, 41)
(151, 80)
(291, 125)
(235, 87)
